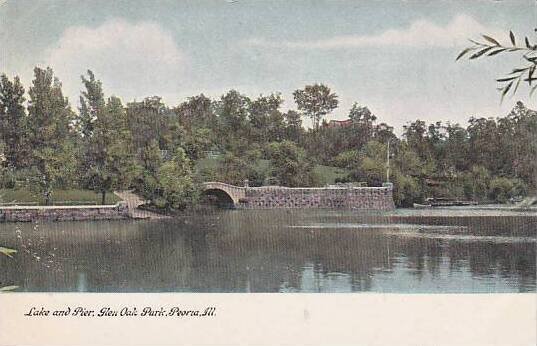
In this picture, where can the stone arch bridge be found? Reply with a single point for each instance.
(336, 197)
(229, 193)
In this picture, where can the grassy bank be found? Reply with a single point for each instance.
(326, 174)
(59, 197)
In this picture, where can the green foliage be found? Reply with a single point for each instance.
(237, 138)
(13, 123)
(315, 101)
(525, 73)
(347, 159)
(457, 148)
(149, 124)
(108, 160)
(9, 253)
(236, 170)
(407, 190)
(267, 121)
(290, 164)
(372, 166)
(196, 112)
(91, 104)
(198, 142)
(364, 120)
(408, 162)
(206, 169)
(8, 288)
(175, 180)
(6, 251)
(477, 183)
(49, 119)
(326, 143)
(8, 177)
(233, 124)
(327, 175)
(293, 126)
(502, 189)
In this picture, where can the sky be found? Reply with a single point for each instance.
(395, 57)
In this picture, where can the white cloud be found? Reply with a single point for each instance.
(133, 60)
(420, 34)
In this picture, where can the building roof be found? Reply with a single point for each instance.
(339, 123)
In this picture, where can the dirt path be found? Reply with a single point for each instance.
(133, 202)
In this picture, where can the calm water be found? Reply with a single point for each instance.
(407, 251)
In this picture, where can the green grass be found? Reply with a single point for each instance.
(59, 197)
(328, 174)
(207, 163)
(263, 166)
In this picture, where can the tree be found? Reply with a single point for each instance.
(407, 190)
(196, 112)
(457, 149)
(416, 136)
(51, 137)
(293, 126)
(347, 159)
(176, 185)
(266, 119)
(150, 159)
(235, 169)
(315, 101)
(384, 133)
(484, 140)
(408, 162)
(197, 142)
(372, 164)
(13, 122)
(234, 128)
(108, 161)
(501, 189)
(149, 123)
(290, 165)
(521, 143)
(477, 183)
(364, 120)
(91, 104)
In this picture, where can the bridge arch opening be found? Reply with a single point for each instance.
(218, 198)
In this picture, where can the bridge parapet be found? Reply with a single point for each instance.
(236, 193)
(337, 197)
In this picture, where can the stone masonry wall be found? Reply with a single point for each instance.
(368, 198)
(65, 213)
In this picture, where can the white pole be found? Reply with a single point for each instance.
(388, 162)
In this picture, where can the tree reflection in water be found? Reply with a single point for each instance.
(275, 251)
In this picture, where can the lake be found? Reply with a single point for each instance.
(450, 250)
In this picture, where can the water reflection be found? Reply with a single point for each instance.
(277, 251)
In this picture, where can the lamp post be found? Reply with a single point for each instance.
(388, 161)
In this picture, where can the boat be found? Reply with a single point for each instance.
(447, 202)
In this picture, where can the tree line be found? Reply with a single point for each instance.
(166, 152)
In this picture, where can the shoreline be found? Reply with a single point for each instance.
(124, 210)
(118, 211)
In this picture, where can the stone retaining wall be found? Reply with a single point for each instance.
(369, 198)
(64, 213)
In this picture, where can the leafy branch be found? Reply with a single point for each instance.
(9, 253)
(510, 82)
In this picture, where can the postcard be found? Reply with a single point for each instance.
(268, 172)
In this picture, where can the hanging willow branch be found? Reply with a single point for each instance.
(510, 82)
